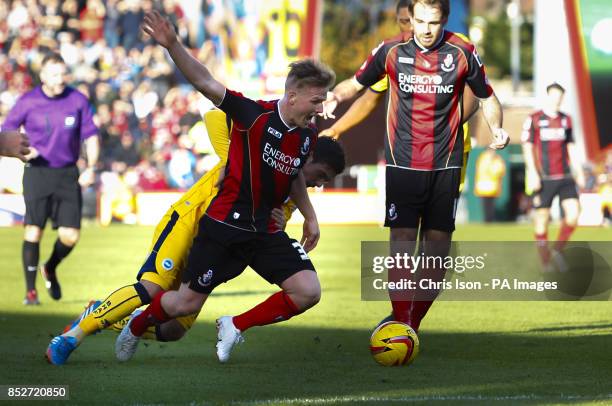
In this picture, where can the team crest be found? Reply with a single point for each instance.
(167, 264)
(306, 146)
(205, 279)
(447, 65)
(392, 212)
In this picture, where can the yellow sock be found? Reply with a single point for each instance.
(150, 333)
(118, 325)
(117, 306)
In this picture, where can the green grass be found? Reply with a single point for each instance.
(509, 352)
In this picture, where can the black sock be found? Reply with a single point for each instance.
(60, 251)
(30, 254)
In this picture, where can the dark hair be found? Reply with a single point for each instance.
(308, 72)
(52, 57)
(402, 4)
(328, 151)
(443, 5)
(555, 85)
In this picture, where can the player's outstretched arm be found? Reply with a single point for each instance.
(359, 110)
(344, 90)
(299, 195)
(162, 31)
(14, 144)
(491, 107)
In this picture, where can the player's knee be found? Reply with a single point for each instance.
(32, 233)
(171, 331)
(308, 296)
(189, 306)
(69, 236)
(571, 219)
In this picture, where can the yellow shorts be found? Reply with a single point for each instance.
(171, 243)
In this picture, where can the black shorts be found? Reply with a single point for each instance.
(565, 188)
(52, 193)
(426, 197)
(221, 252)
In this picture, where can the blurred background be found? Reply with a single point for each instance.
(154, 143)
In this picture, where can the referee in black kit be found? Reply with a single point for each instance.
(57, 120)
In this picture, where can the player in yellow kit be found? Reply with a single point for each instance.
(172, 241)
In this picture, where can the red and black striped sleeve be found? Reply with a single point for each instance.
(242, 110)
(476, 76)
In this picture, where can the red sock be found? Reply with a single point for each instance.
(402, 301)
(278, 307)
(542, 244)
(152, 315)
(564, 235)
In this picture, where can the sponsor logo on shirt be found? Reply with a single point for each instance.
(275, 133)
(423, 84)
(404, 59)
(552, 134)
(280, 161)
(69, 121)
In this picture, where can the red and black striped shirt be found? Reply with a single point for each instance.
(265, 156)
(424, 129)
(549, 136)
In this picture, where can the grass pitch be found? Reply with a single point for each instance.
(508, 352)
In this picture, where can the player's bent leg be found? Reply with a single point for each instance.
(164, 307)
(171, 330)
(303, 288)
(67, 239)
(69, 235)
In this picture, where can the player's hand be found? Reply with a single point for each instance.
(33, 154)
(330, 132)
(279, 218)
(534, 182)
(500, 139)
(159, 28)
(14, 144)
(87, 178)
(310, 234)
(329, 106)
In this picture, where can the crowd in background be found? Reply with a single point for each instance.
(151, 132)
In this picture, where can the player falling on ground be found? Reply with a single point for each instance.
(269, 145)
(550, 157)
(427, 74)
(170, 246)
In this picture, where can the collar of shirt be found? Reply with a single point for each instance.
(424, 49)
(278, 109)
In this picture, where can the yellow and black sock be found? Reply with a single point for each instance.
(115, 308)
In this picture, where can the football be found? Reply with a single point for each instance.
(394, 344)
